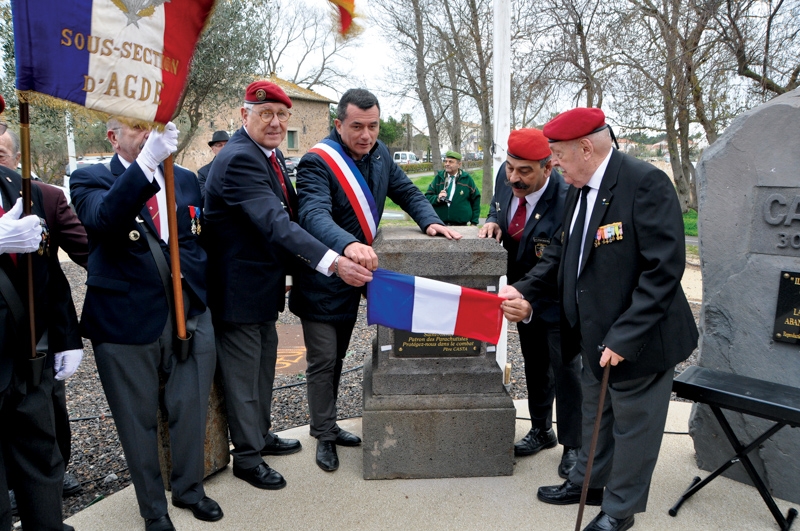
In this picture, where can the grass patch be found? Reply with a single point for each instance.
(693, 250)
(690, 223)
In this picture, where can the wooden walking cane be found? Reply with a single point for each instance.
(174, 249)
(593, 445)
(37, 360)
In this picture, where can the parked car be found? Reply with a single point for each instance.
(405, 157)
(291, 165)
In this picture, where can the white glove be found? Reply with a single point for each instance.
(66, 363)
(159, 146)
(19, 235)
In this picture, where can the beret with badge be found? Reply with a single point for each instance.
(266, 91)
(528, 144)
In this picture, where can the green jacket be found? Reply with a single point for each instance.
(465, 206)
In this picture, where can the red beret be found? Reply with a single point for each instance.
(575, 123)
(264, 91)
(2, 104)
(528, 144)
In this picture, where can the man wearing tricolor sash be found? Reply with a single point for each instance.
(342, 184)
(253, 241)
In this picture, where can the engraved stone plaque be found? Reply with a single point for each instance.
(787, 312)
(776, 223)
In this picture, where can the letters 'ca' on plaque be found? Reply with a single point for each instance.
(787, 312)
(413, 345)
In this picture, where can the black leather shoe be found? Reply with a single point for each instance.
(345, 438)
(327, 459)
(71, 486)
(261, 476)
(537, 439)
(603, 522)
(280, 446)
(206, 509)
(159, 524)
(568, 460)
(67, 527)
(568, 493)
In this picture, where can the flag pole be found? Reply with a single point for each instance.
(174, 248)
(37, 360)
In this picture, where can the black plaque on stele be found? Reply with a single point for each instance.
(787, 314)
(413, 345)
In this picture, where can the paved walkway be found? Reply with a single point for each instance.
(315, 499)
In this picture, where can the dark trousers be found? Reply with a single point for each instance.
(63, 430)
(247, 355)
(631, 429)
(30, 461)
(548, 377)
(130, 378)
(326, 348)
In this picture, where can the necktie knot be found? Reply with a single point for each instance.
(517, 225)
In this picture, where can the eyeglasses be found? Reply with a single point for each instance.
(3, 128)
(267, 116)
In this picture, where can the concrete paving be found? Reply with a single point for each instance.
(315, 499)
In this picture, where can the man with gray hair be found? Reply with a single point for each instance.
(326, 305)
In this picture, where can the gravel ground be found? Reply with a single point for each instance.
(98, 461)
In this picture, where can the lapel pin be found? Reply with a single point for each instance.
(537, 216)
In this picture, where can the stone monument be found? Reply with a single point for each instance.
(435, 405)
(748, 185)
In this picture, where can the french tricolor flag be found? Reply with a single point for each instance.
(122, 57)
(422, 305)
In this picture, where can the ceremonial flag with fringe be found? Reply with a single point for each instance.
(422, 305)
(121, 57)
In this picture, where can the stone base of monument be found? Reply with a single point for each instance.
(435, 405)
(217, 451)
(436, 436)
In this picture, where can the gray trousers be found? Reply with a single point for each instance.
(130, 378)
(631, 429)
(548, 377)
(326, 348)
(247, 355)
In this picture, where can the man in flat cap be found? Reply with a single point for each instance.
(350, 158)
(253, 241)
(217, 142)
(618, 275)
(129, 313)
(525, 215)
(453, 194)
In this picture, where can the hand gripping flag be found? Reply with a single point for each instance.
(121, 57)
(422, 305)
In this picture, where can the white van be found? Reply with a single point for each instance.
(405, 157)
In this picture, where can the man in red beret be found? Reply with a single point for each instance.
(618, 277)
(525, 215)
(253, 241)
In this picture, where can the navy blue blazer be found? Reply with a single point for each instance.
(542, 230)
(125, 299)
(251, 238)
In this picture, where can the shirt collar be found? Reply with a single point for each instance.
(533, 198)
(597, 176)
(267, 152)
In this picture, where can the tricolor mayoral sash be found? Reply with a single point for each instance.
(353, 184)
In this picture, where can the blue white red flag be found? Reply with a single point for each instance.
(122, 57)
(353, 184)
(422, 305)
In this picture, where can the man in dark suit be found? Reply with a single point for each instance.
(31, 460)
(526, 215)
(217, 142)
(326, 305)
(128, 315)
(622, 303)
(66, 232)
(253, 241)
